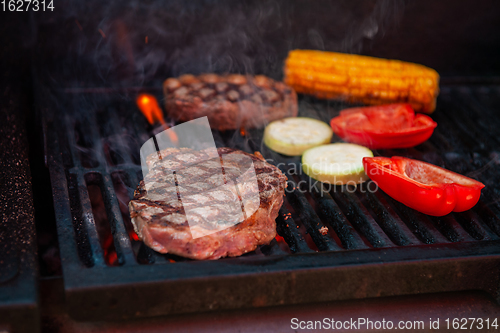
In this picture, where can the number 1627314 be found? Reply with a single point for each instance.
(27, 5)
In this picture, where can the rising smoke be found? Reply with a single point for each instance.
(124, 43)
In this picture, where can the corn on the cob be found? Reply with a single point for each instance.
(362, 79)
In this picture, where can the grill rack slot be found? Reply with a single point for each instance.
(364, 224)
(389, 221)
(308, 217)
(330, 212)
(418, 223)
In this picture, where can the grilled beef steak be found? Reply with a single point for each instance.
(229, 101)
(158, 210)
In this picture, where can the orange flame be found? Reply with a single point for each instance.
(151, 110)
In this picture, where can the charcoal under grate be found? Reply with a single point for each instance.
(371, 240)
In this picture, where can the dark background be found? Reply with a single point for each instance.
(96, 43)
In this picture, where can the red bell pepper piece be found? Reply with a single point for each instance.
(422, 186)
(383, 127)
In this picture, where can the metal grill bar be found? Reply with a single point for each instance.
(88, 220)
(360, 219)
(418, 223)
(63, 209)
(465, 166)
(488, 216)
(120, 235)
(330, 212)
(451, 229)
(471, 223)
(389, 221)
(309, 217)
(288, 229)
(487, 175)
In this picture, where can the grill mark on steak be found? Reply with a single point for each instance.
(236, 187)
(161, 222)
(229, 101)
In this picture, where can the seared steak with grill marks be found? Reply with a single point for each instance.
(229, 101)
(158, 208)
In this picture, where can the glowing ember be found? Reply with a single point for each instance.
(133, 235)
(110, 254)
(279, 239)
(151, 110)
(243, 132)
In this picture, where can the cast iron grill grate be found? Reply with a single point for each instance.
(93, 157)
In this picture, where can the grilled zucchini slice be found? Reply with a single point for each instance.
(337, 163)
(292, 136)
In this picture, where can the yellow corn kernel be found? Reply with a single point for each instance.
(362, 79)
